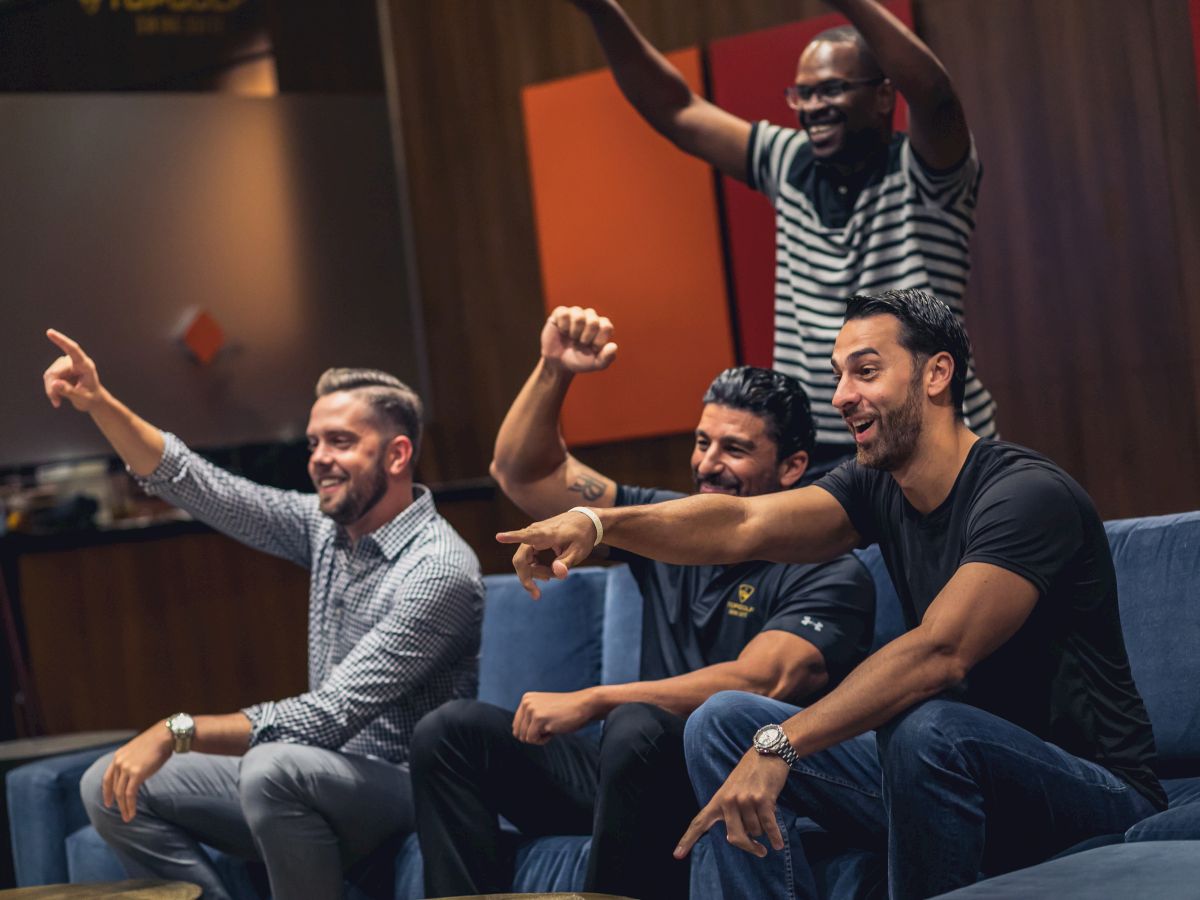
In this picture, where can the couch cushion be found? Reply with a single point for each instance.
(551, 644)
(1179, 822)
(544, 864)
(622, 660)
(1158, 869)
(889, 619)
(1158, 577)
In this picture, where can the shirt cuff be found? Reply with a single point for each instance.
(171, 467)
(262, 721)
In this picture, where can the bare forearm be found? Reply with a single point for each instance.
(903, 56)
(684, 693)
(699, 530)
(648, 81)
(136, 441)
(227, 734)
(905, 672)
(529, 446)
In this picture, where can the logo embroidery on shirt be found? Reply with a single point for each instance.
(812, 623)
(739, 608)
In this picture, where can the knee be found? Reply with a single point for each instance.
(927, 734)
(639, 737)
(727, 717)
(268, 776)
(91, 791)
(457, 724)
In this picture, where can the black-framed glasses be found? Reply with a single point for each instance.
(829, 89)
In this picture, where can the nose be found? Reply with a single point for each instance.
(710, 461)
(319, 455)
(845, 397)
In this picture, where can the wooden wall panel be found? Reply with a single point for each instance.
(1084, 300)
(122, 634)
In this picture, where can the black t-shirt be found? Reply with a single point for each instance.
(1064, 675)
(696, 616)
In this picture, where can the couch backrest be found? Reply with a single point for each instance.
(1158, 577)
(551, 644)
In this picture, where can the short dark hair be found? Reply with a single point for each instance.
(847, 34)
(396, 406)
(777, 398)
(927, 326)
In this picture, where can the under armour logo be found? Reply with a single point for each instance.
(812, 623)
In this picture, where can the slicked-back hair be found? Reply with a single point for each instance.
(927, 326)
(846, 34)
(778, 399)
(396, 407)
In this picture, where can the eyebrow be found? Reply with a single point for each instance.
(857, 354)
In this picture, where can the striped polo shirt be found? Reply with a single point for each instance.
(897, 224)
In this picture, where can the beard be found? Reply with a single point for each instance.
(360, 496)
(898, 434)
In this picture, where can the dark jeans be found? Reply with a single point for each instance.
(631, 793)
(947, 789)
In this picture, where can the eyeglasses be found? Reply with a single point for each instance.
(829, 89)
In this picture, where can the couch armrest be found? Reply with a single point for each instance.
(44, 807)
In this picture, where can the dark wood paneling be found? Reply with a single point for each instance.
(1085, 301)
(122, 634)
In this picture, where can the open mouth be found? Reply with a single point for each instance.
(327, 484)
(862, 429)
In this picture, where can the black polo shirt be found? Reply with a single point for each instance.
(696, 616)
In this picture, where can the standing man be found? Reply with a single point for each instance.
(857, 207)
(778, 630)
(1002, 727)
(312, 783)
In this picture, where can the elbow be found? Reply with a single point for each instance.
(947, 667)
(793, 682)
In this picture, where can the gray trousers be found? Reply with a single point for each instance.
(306, 812)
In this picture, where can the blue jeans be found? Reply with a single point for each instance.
(948, 790)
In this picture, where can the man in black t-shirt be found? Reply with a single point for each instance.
(1002, 727)
(784, 631)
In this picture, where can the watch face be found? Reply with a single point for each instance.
(182, 723)
(768, 737)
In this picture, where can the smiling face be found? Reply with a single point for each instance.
(846, 127)
(348, 459)
(734, 454)
(880, 391)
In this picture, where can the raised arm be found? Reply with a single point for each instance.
(802, 525)
(659, 93)
(73, 377)
(938, 126)
(531, 462)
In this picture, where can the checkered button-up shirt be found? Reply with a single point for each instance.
(393, 619)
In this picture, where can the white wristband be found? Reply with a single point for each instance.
(595, 521)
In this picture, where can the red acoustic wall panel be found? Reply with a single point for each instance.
(627, 224)
(747, 75)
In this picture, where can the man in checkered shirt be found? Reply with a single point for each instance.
(312, 783)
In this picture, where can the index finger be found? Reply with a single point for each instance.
(704, 820)
(512, 537)
(66, 345)
(106, 784)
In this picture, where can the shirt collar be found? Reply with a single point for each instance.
(392, 537)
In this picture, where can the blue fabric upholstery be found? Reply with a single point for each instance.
(1163, 870)
(587, 629)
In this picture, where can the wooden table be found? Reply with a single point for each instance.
(124, 890)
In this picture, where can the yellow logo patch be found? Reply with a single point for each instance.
(739, 609)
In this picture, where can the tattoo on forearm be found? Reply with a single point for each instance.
(591, 487)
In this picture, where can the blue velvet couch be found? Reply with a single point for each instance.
(586, 630)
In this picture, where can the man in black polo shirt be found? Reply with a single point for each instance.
(784, 631)
(1002, 727)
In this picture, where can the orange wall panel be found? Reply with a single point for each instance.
(628, 224)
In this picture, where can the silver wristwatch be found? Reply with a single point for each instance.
(183, 729)
(770, 740)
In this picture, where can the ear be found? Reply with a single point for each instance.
(399, 454)
(885, 99)
(939, 370)
(792, 468)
